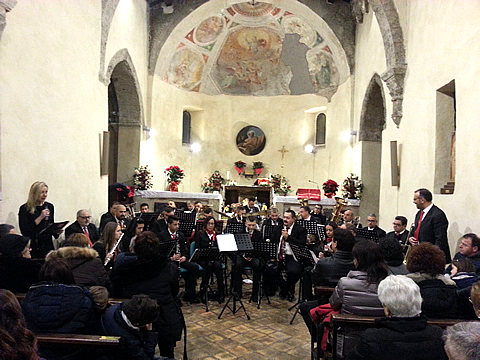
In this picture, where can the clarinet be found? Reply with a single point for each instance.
(113, 250)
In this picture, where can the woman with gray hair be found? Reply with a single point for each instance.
(404, 333)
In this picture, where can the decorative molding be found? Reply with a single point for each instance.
(108, 10)
(5, 7)
(389, 22)
(359, 10)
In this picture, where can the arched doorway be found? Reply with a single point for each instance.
(372, 123)
(124, 123)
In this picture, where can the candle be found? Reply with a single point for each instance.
(228, 175)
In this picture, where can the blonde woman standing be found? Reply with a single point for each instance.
(35, 216)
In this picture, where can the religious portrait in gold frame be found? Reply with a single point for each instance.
(251, 140)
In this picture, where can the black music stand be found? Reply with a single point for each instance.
(241, 243)
(148, 218)
(205, 254)
(267, 251)
(322, 234)
(187, 223)
(309, 225)
(267, 230)
(368, 234)
(303, 254)
(235, 228)
(167, 247)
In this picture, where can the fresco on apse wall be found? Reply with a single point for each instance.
(238, 52)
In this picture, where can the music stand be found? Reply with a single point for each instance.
(235, 228)
(301, 253)
(234, 243)
(148, 218)
(267, 230)
(267, 251)
(322, 234)
(310, 226)
(205, 254)
(167, 247)
(187, 223)
(368, 234)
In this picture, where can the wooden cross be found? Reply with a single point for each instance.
(283, 151)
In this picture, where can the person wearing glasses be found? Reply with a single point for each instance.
(83, 226)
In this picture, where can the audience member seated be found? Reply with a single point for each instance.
(475, 298)
(17, 270)
(133, 320)
(180, 255)
(135, 227)
(87, 268)
(207, 238)
(153, 275)
(16, 341)
(248, 259)
(403, 334)
(462, 341)
(104, 247)
(393, 254)
(357, 292)
(6, 229)
(56, 304)
(329, 270)
(463, 273)
(470, 249)
(83, 226)
(426, 264)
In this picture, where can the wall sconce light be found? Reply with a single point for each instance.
(150, 132)
(195, 147)
(349, 135)
(310, 149)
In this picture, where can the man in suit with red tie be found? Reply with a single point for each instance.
(430, 223)
(181, 254)
(83, 226)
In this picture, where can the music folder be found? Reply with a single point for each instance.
(234, 242)
(54, 227)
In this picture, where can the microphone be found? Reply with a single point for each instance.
(48, 216)
(314, 183)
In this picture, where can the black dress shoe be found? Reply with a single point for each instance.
(221, 299)
(290, 297)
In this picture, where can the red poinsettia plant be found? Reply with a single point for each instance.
(330, 187)
(239, 166)
(174, 174)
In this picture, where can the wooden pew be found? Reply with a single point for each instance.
(363, 322)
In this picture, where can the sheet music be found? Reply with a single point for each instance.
(226, 242)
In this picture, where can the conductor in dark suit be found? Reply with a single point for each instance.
(399, 232)
(291, 233)
(83, 226)
(430, 223)
(181, 254)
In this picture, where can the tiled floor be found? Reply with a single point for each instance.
(267, 335)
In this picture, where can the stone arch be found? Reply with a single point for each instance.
(392, 34)
(372, 123)
(108, 10)
(127, 87)
(372, 118)
(125, 118)
(5, 7)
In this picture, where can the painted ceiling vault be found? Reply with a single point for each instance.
(260, 49)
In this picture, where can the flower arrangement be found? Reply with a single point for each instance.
(239, 166)
(142, 178)
(174, 176)
(330, 187)
(214, 183)
(280, 185)
(352, 187)
(174, 173)
(258, 167)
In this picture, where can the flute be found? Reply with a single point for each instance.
(113, 250)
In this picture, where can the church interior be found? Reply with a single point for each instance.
(312, 89)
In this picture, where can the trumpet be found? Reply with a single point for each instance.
(113, 250)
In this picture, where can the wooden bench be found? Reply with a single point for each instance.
(360, 323)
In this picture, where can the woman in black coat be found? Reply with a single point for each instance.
(152, 274)
(207, 238)
(17, 270)
(34, 217)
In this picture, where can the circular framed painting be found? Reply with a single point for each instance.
(251, 140)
